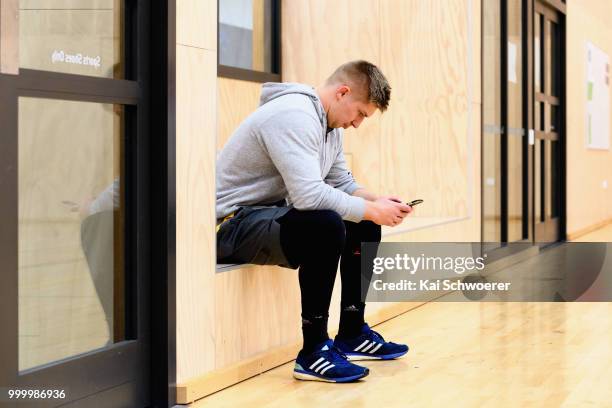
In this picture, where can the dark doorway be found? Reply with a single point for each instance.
(549, 124)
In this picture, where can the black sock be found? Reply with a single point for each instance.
(351, 320)
(314, 329)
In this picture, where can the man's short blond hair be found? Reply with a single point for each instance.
(368, 78)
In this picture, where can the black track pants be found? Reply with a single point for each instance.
(316, 240)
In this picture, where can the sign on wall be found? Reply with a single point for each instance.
(598, 98)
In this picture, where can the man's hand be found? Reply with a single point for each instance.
(388, 210)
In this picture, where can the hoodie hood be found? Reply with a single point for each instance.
(273, 90)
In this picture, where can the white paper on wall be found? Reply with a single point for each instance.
(597, 98)
(512, 62)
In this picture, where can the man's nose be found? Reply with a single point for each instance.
(357, 122)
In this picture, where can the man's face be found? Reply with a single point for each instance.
(348, 109)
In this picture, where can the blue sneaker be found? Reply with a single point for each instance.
(370, 345)
(328, 364)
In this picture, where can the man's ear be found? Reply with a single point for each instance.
(342, 90)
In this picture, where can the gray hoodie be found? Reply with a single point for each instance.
(283, 151)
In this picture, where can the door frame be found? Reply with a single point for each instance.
(528, 95)
(142, 370)
(549, 231)
(163, 203)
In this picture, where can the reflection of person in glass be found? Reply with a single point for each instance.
(97, 239)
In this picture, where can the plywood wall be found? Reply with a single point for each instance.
(425, 146)
(588, 202)
(237, 99)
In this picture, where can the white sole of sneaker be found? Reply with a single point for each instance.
(361, 358)
(308, 377)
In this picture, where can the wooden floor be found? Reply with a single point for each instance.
(466, 355)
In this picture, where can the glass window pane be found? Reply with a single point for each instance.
(547, 180)
(541, 64)
(555, 119)
(245, 34)
(82, 37)
(537, 168)
(555, 59)
(548, 62)
(537, 51)
(70, 228)
(555, 183)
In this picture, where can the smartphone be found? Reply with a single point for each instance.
(414, 202)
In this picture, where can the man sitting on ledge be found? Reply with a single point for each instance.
(285, 197)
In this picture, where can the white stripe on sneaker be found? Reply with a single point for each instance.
(321, 366)
(376, 348)
(361, 345)
(316, 362)
(326, 368)
(368, 346)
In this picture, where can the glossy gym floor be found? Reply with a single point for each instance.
(466, 355)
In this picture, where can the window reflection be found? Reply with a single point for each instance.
(70, 228)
